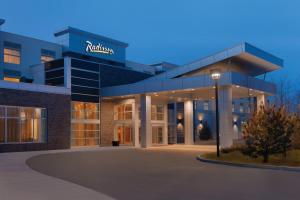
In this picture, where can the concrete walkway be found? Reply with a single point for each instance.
(18, 181)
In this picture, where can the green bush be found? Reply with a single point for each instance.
(268, 131)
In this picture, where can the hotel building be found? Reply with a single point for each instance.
(82, 91)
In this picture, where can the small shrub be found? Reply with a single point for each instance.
(205, 132)
(236, 147)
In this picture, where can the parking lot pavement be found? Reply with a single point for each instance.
(162, 173)
(18, 181)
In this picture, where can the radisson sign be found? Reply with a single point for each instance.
(99, 48)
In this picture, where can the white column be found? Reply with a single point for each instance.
(146, 129)
(225, 116)
(261, 100)
(188, 123)
(135, 123)
(165, 132)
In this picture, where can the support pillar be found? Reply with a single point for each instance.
(146, 129)
(67, 72)
(261, 100)
(188, 123)
(136, 122)
(165, 132)
(225, 116)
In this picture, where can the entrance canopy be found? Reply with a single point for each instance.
(192, 85)
(238, 66)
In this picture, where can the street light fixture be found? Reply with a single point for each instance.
(215, 75)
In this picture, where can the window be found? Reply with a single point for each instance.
(157, 135)
(123, 112)
(205, 105)
(12, 53)
(85, 110)
(11, 79)
(85, 126)
(157, 112)
(85, 134)
(47, 55)
(241, 107)
(22, 124)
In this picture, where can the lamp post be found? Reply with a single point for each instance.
(216, 76)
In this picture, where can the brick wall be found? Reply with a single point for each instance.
(58, 118)
(106, 123)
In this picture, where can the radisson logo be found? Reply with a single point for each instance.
(99, 48)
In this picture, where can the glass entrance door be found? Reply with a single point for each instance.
(124, 134)
(157, 135)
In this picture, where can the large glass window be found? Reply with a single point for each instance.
(11, 79)
(205, 105)
(47, 55)
(22, 124)
(12, 53)
(85, 134)
(157, 112)
(85, 124)
(123, 112)
(157, 135)
(85, 110)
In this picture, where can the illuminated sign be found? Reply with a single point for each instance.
(99, 48)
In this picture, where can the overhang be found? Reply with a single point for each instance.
(254, 60)
(188, 83)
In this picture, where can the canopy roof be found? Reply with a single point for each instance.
(254, 62)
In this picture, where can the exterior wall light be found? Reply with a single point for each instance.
(215, 75)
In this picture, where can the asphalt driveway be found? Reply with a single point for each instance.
(165, 174)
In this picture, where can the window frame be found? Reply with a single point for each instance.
(121, 112)
(85, 112)
(157, 115)
(48, 54)
(42, 119)
(12, 51)
(156, 135)
(206, 105)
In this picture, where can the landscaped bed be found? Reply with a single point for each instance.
(292, 159)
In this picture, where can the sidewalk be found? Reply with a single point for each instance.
(18, 181)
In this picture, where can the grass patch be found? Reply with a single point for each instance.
(292, 159)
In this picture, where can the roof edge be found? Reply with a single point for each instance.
(248, 48)
(70, 29)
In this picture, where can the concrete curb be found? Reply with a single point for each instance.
(271, 167)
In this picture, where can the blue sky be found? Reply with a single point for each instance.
(169, 30)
